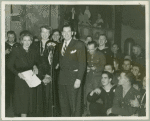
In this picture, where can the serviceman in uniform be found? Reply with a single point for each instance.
(125, 95)
(138, 56)
(95, 65)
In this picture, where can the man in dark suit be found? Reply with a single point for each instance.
(72, 63)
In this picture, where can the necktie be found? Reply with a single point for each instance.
(64, 49)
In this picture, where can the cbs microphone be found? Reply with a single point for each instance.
(51, 46)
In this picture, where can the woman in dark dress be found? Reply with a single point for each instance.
(9, 76)
(23, 58)
(101, 98)
(44, 94)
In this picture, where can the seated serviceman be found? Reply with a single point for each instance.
(101, 98)
(136, 70)
(108, 67)
(142, 104)
(124, 94)
(95, 65)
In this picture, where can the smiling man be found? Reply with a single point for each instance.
(125, 95)
(101, 98)
(72, 62)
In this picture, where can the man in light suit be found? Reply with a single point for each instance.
(72, 63)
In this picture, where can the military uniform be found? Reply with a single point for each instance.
(140, 60)
(107, 52)
(121, 105)
(93, 77)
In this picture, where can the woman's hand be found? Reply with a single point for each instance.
(35, 69)
(21, 76)
(47, 79)
(7, 51)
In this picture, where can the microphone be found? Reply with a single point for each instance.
(51, 46)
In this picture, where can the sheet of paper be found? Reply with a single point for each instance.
(31, 79)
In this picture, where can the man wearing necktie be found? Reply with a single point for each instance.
(72, 63)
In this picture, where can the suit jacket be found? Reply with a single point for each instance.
(73, 63)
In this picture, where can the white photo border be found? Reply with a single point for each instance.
(3, 3)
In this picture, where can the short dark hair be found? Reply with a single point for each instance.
(89, 36)
(127, 60)
(138, 46)
(137, 65)
(109, 64)
(12, 32)
(26, 33)
(130, 76)
(23, 32)
(56, 30)
(46, 27)
(110, 75)
(68, 25)
(103, 35)
(115, 44)
(92, 42)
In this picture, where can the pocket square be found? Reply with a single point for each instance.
(73, 51)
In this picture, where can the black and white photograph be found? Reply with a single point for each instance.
(75, 60)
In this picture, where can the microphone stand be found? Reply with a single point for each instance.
(52, 85)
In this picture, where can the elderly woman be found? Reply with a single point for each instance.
(23, 58)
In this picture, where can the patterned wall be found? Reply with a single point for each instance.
(54, 16)
(37, 16)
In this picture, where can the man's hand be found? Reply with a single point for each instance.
(35, 69)
(109, 111)
(135, 102)
(77, 83)
(47, 79)
(21, 76)
(97, 91)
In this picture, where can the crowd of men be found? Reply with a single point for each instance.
(80, 78)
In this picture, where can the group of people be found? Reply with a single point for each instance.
(89, 78)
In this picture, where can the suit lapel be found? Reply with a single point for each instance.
(70, 46)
